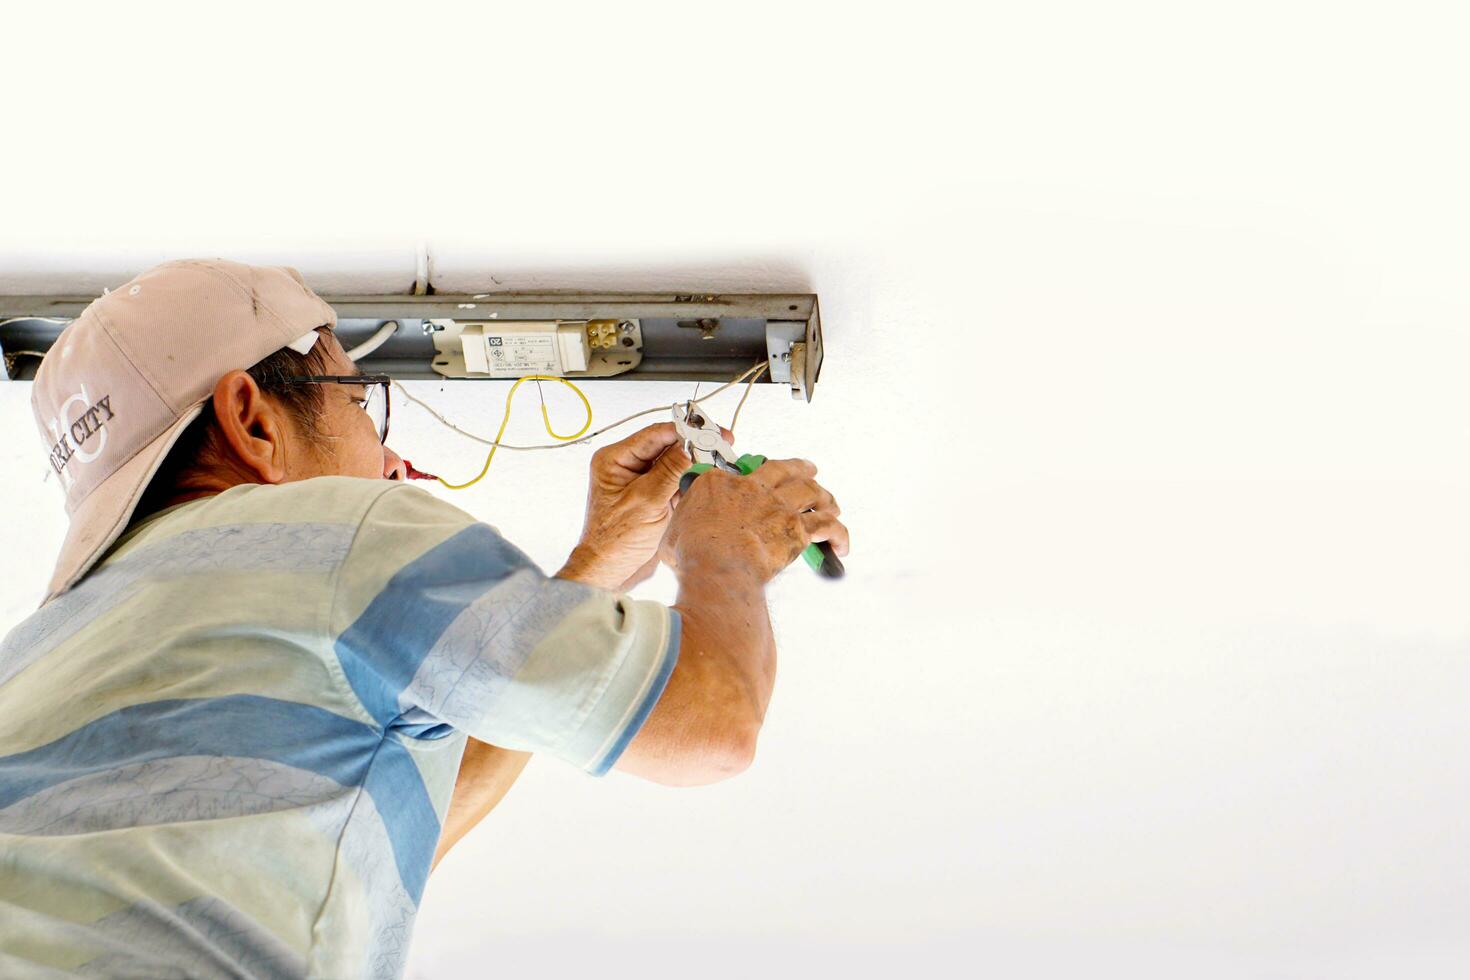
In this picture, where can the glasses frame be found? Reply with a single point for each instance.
(357, 379)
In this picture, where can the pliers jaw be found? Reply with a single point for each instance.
(703, 439)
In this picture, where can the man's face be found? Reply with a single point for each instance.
(349, 443)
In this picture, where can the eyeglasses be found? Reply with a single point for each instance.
(376, 402)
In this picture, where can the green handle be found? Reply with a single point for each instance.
(819, 555)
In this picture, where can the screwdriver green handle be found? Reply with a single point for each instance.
(819, 554)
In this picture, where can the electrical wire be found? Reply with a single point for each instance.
(20, 319)
(749, 385)
(576, 440)
(12, 356)
(378, 339)
(545, 416)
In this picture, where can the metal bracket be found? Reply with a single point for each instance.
(798, 373)
(794, 353)
(731, 331)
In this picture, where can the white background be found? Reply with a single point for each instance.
(1146, 335)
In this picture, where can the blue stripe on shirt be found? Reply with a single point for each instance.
(245, 725)
(382, 650)
(655, 691)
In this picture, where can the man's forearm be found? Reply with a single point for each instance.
(705, 725)
(724, 614)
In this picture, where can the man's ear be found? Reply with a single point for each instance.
(252, 428)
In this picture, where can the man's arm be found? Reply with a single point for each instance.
(729, 536)
(734, 536)
(486, 774)
(704, 727)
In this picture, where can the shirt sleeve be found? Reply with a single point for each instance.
(439, 623)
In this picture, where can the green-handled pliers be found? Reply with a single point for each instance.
(709, 450)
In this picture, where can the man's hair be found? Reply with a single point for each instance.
(201, 443)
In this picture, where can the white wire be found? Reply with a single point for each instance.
(48, 319)
(589, 436)
(748, 386)
(17, 319)
(377, 340)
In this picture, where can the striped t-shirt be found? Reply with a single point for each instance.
(229, 749)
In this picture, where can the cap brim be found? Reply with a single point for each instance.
(105, 512)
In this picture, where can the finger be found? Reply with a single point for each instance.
(799, 495)
(827, 502)
(778, 471)
(804, 495)
(823, 526)
(662, 478)
(639, 451)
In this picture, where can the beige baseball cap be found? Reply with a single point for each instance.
(125, 378)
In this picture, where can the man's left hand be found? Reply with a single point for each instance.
(630, 497)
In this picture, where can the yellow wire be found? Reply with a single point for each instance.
(439, 416)
(505, 420)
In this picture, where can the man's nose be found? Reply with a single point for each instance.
(393, 468)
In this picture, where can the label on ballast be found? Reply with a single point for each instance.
(522, 353)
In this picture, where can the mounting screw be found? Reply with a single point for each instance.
(705, 325)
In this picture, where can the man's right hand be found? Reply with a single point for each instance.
(760, 522)
(729, 536)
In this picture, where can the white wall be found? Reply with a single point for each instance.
(1143, 398)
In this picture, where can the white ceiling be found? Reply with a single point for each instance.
(1144, 399)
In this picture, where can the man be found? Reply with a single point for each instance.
(230, 736)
